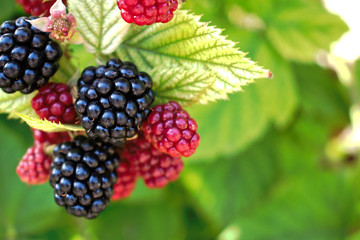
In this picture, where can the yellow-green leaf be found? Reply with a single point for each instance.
(187, 43)
(45, 125)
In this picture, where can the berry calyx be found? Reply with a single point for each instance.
(171, 130)
(147, 12)
(125, 184)
(156, 168)
(34, 168)
(55, 103)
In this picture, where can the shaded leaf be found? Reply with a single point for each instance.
(24, 210)
(299, 28)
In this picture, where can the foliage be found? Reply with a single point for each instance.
(261, 171)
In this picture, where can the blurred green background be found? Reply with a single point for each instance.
(278, 161)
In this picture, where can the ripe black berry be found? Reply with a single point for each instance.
(83, 175)
(113, 100)
(28, 57)
(7, 27)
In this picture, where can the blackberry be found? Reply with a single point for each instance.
(83, 174)
(113, 100)
(28, 57)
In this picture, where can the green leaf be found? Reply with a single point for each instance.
(357, 75)
(16, 102)
(145, 221)
(186, 43)
(315, 207)
(99, 23)
(45, 125)
(181, 84)
(237, 123)
(298, 29)
(24, 210)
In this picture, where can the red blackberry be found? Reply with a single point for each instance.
(37, 7)
(125, 184)
(147, 12)
(50, 138)
(28, 57)
(155, 167)
(55, 103)
(34, 168)
(171, 130)
(83, 174)
(113, 101)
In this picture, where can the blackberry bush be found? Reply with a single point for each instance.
(83, 174)
(28, 57)
(189, 61)
(113, 100)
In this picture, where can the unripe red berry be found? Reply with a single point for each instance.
(147, 12)
(125, 184)
(54, 103)
(171, 130)
(34, 168)
(37, 7)
(156, 168)
(49, 138)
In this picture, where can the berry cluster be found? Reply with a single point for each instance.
(83, 174)
(113, 101)
(171, 130)
(147, 12)
(55, 103)
(28, 57)
(113, 104)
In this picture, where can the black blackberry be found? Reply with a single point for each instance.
(83, 174)
(113, 100)
(28, 57)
